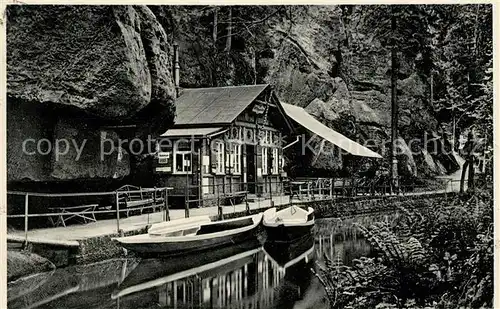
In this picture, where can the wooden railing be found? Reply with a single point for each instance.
(115, 195)
(302, 189)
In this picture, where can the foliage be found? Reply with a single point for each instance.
(440, 256)
(218, 42)
(449, 46)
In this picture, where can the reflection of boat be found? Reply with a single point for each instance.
(192, 237)
(152, 273)
(238, 276)
(288, 224)
(288, 254)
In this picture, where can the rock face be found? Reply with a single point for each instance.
(101, 64)
(20, 264)
(107, 60)
(331, 64)
(97, 154)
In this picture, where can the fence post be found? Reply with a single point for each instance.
(220, 213)
(216, 185)
(165, 201)
(219, 206)
(308, 189)
(271, 191)
(154, 198)
(26, 197)
(331, 187)
(117, 212)
(186, 208)
(247, 206)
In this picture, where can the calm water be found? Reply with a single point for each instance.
(249, 275)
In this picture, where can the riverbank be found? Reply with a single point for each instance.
(23, 263)
(442, 253)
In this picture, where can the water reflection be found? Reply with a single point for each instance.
(247, 275)
(241, 276)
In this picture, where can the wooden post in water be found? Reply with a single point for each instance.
(117, 212)
(26, 219)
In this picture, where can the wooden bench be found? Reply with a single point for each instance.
(295, 188)
(133, 198)
(86, 213)
(231, 196)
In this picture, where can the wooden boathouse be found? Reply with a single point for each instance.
(225, 141)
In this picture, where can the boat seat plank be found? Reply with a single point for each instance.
(223, 226)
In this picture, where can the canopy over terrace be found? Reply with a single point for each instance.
(303, 118)
(194, 132)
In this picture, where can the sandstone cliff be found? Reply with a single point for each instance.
(72, 71)
(323, 59)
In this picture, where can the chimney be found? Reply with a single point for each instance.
(176, 69)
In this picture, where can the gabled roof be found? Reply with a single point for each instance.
(299, 115)
(214, 106)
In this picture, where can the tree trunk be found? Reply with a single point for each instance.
(470, 181)
(214, 29)
(394, 103)
(253, 54)
(229, 31)
(213, 69)
(462, 178)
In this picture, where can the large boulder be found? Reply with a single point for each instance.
(108, 60)
(74, 73)
(20, 264)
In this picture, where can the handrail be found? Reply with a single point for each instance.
(144, 190)
(320, 188)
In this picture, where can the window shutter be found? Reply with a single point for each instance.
(270, 161)
(258, 162)
(213, 149)
(227, 157)
(232, 158)
(195, 166)
(280, 160)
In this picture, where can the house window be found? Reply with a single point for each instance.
(182, 158)
(264, 160)
(219, 167)
(268, 138)
(236, 158)
(276, 161)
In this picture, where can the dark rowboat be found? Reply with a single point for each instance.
(288, 224)
(188, 238)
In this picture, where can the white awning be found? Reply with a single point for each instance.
(303, 118)
(192, 132)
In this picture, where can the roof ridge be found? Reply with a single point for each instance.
(223, 87)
